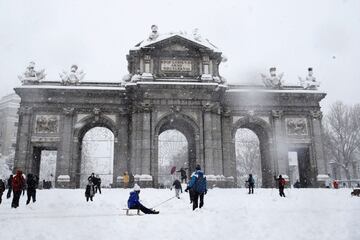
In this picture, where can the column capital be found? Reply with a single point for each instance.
(68, 111)
(277, 113)
(25, 110)
(316, 114)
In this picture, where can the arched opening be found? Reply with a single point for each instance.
(259, 128)
(173, 152)
(44, 158)
(248, 160)
(183, 137)
(97, 155)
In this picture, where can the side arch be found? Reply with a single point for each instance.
(264, 133)
(80, 129)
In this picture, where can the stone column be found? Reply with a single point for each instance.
(121, 147)
(135, 163)
(146, 143)
(217, 145)
(63, 161)
(280, 143)
(23, 141)
(228, 148)
(208, 144)
(141, 143)
(317, 143)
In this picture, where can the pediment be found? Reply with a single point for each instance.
(178, 43)
(176, 47)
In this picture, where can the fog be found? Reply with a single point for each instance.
(254, 35)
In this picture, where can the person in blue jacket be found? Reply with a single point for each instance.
(198, 185)
(134, 202)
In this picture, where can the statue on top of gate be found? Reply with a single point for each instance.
(310, 81)
(31, 75)
(273, 81)
(73, 77)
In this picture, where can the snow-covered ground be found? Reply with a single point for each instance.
(227, 214)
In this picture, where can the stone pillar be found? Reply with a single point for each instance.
(146, 143)
(63, 161)
(23, 154)
(318, 147)
(280, 144)
(228, 148)
(135, 163)
(213, 145)
(208, 144)
(141, 144)
(121, 157)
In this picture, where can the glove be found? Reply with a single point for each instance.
(187, 189)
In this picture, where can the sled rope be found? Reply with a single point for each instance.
(163, 202)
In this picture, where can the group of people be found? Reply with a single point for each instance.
(197, 188)
(19, 184)
(93, 186)
(281, 182)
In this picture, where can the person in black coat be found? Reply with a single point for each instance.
(89, 191)
(2, 189)
(178, 188)
(97, 183)
(32, 182)
(183, 174)
(9, 186)
(251, 184)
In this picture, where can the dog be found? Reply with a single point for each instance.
(356, 192)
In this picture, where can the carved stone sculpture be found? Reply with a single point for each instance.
(310, 81)
(296, 126)
(196, 35)
(154, 33)
(273, 81)
(46, 124)
(31, 75)
(73, 77)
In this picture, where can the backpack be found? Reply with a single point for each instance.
(200, 184)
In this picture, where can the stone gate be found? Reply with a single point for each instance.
(173, 83)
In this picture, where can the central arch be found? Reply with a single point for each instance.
(185, 125)
(263, 131)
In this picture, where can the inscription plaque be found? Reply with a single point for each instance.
(175, 65)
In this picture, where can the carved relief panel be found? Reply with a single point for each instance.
(47, 123)
(296, 126)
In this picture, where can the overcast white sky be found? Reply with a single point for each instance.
(253, 34)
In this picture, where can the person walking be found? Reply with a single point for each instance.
(183, 175)
(89, 191)
(97, 183)
(177, 185)
(198, 185)
(9, 186)
(134, 202)
(18, 184)
(251, 183)
(281, 183)
(32, 182)
(2, 189)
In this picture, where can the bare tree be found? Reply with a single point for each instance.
(342, 137)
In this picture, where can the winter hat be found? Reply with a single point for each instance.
(136, 187)
(198, 167)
